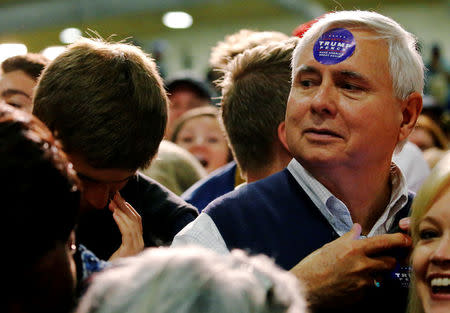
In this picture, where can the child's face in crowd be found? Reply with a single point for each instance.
(181, 101)
(422, 138)
(431, 256)
(203, 137)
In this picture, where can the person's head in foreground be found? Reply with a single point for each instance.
(430, 230)
(40, 202)
(199, 131)
(353, 100)
(18, 78)
(193, 280)
(107, 105)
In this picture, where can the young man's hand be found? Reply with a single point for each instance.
(130, 225)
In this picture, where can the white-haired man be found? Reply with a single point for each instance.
(356, 94)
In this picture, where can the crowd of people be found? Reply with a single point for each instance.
(319, 182)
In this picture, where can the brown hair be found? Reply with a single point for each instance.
(42, 192)
(106, 102)
(31, 63)
(40, 201)
(255, 92)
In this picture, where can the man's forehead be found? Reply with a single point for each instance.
(334, 46)
(366, 42)
(16, 80)
(99, 175)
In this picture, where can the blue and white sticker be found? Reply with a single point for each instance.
(334, 46)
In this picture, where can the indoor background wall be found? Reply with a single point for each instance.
(213, 20)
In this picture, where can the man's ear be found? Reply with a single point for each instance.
(411, 108)
(282, 135)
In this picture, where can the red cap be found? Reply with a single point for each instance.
(301, 29)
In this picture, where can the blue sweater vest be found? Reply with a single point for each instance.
(275, 217)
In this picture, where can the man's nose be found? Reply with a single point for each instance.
(98, 196)
(324, 102)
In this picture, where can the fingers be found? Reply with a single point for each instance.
(404, 224)
(132, 240)
(118, 203)
(384, 243)
(123, 205)
(354, 233)
(380, 264)
(123, 222)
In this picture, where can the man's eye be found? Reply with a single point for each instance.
(427, 234)
(306, 83)
(16, 105)
(351, 87)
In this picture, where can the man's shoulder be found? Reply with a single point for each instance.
(263, 193)
(211, 187)
(146, 194)
(224, 174)
(163, 213)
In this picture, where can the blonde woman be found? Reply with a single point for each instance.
(430, 229)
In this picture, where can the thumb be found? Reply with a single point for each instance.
(405, 224)
(353, 233)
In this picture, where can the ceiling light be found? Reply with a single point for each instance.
(70, 35)
(177, 20)
(53, 51)
(8, 50)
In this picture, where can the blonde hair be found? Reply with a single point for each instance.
(236, 43)
(431, 190)
(207, 111)
(439, 140)
(175, 168)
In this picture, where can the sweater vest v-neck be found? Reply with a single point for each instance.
(274, 216)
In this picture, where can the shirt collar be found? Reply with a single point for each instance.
(336, 212)
(399, 198)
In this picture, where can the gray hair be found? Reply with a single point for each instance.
(193, 279)
(405, 63)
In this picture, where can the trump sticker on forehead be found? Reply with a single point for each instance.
(334, 46)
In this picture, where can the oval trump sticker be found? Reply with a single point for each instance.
(334, 46)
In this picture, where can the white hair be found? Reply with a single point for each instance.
(193, 280)
(405, 63)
